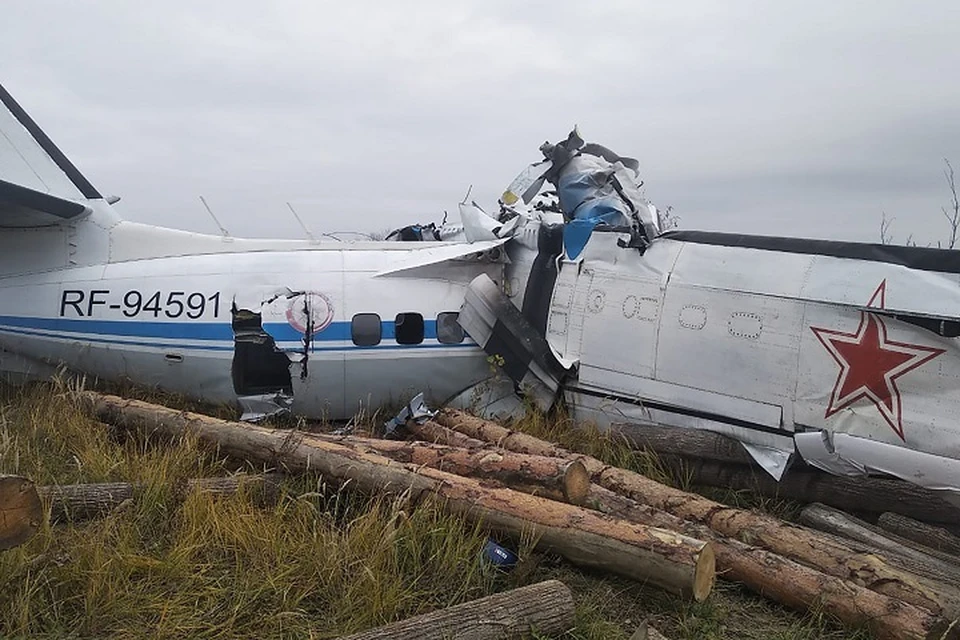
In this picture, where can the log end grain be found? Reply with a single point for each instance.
(705, 573)
(576, 483)
(21, 511)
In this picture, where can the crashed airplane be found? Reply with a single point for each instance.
(843, 354)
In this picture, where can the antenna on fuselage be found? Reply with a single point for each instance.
(226, 234)
(302, 226)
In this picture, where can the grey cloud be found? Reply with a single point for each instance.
(807, 118)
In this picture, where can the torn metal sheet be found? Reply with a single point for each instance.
(416, 410)
(415, 233)
(527, 184)
(596, 187)
(774, 461)
(495, 399)
(477, 225)
(564, 330)
(513, 344)
(260, 370)
(257, 408)
(850, 452)
(816, 448)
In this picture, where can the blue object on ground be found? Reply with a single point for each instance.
(499, 556)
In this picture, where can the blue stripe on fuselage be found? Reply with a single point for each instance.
(207, 336)
(126, 328)
(217, 331)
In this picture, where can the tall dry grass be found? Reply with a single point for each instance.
(319, 562)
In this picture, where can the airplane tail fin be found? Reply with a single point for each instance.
(39, 186)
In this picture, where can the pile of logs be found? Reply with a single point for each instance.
(598, 516)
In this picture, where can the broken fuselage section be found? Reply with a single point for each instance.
(376, 331)
(844, 355)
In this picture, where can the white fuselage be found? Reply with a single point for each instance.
(168, 320)
(771, 347)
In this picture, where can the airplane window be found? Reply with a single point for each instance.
(448, 330)
(365, 329)
(409, 328)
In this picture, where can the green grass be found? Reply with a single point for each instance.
(318, 562)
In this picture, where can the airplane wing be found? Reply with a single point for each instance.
(39, 186)
(418, 257)
(23, 207)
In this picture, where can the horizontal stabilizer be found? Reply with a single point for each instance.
(23, 207)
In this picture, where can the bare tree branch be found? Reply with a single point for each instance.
(885, 222)
(951, 213)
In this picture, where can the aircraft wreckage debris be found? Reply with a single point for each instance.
(672, 561)
(545, 607)
(21, 511)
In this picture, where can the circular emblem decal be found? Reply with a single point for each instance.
(313, 308)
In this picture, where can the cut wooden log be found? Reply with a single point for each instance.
(785, 581)
(872, 495)
(79, 502)
(493, 433)
(21, 512)
(797, 543)
(674, 562)
(697, 444)
(911, 549)
(545, 608)
(555, 478)
(926, 535)
(430, 431)
(896, 549)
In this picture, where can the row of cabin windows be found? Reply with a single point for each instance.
(366, 329)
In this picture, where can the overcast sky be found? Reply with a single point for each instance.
(781, 117)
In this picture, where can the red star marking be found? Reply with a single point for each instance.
(870, 364)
